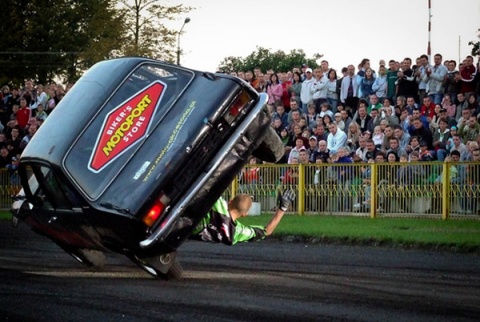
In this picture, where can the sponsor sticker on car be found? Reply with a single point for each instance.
(125, 126)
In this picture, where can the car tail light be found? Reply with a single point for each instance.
(237, 106)
(156, 210)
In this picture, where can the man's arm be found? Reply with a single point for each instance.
(285, 201)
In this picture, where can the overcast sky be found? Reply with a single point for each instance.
(344, 31)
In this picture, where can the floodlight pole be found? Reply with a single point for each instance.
(187, 20)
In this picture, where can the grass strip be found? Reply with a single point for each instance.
(460, 235)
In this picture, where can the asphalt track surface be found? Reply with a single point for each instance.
(265, 281)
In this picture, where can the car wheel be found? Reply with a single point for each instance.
(88, 257)
(165, 266)
(271, 149)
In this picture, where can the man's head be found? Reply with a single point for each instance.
(389, 131)
(476, 155)
(373, 99)
(410, 101)
(457, 140)
(313, 142)
(370, 145)
(427, 101)
(417, 123)
(455, 155)
(362, 111)
(240, 205)
(394, 143)
(303, 156)
(380, 157)
(322, 145)
(332, 128)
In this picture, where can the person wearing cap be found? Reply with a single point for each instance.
(340, 123)
(306, 92)
(312, 142)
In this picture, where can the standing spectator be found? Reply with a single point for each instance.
(13, 143)
(286, 84)
(296, 88)
(434, 78)
(379, 87)
(366, 84)
(407, 85)
(420, 72)
(306, 93)
(319, 89)
(392, 77)
(349, 89)
(332, 90)
(274, 89)
(466, 77)
(450, 83)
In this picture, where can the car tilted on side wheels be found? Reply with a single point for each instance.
(135, 155)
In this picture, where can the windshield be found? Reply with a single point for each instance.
(123, 123)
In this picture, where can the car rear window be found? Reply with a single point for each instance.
(122, 124)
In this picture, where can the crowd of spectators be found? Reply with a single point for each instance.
(426, 112)
(22, 112)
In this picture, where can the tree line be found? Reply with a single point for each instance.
(44, 39)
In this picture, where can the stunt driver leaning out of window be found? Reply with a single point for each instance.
(220, 225)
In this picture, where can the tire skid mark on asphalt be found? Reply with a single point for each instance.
(198, 275)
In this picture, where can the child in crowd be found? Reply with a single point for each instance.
(378, 136)
(41, 114)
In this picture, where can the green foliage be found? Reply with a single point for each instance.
(264, 58)
(475, 46)
(147, 33)
(48, 38)
(44, 39)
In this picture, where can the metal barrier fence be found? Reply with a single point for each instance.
(374, 189)
(9, 186)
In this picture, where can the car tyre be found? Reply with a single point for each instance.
(165, 266)
(271, 148)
